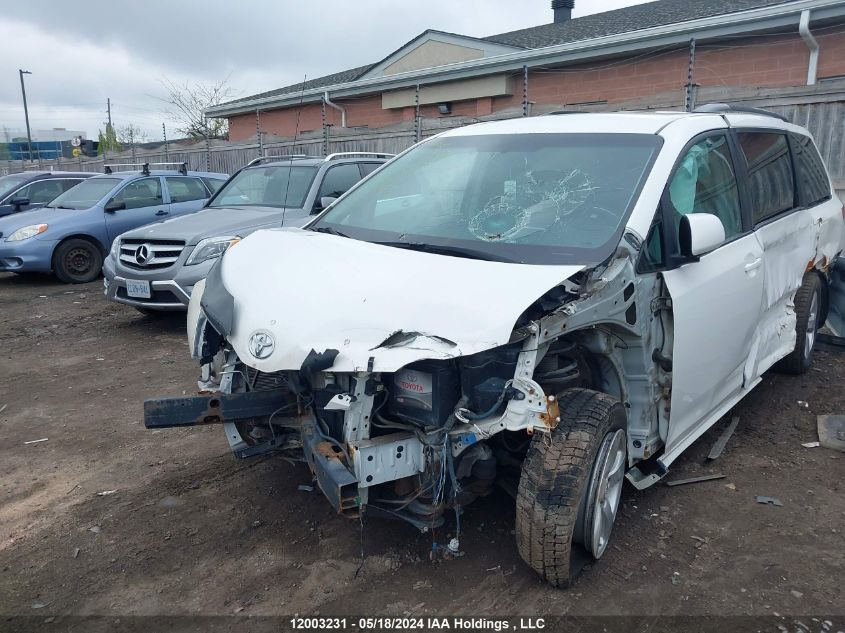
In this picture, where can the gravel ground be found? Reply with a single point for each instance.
(106, 518)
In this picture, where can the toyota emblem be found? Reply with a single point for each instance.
(261, 344)
(143, 254)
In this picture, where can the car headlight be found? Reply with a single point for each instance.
(114, 246)
(26, 232)
(211, 248)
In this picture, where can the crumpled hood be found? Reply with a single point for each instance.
(210, 222)
(319, 291)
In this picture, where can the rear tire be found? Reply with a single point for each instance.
(77, 261)
(571, 484)
(808, 304)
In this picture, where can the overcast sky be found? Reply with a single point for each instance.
(81, 52)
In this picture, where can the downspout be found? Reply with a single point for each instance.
(343, 110)
(812, 44)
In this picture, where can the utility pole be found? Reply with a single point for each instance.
(26, 112)
(109, 131)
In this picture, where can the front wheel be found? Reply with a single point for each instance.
(77, 261)
(808, 301)
(571, 485)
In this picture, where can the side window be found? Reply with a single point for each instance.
(41, 191)
(144, 192)
(338, 180)
(185, 189)
(705, 182)
(368, 168)
(213, 184)
(813, 183)
(770, 176)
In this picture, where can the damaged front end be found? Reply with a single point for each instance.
(409, 423)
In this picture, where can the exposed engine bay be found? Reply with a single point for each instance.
(437, 433)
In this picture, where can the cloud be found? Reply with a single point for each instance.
(81, 54)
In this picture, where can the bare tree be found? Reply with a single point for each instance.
(129, 134)
(188, 101)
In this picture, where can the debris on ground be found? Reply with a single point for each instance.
(95, 529)
(76, 552)
(422, 584)
(106, 493)
(803, 404)
(720, 444)
(3, 408)
(769, 500)
(730, 486)
(832, 431)
(305, 488)
(694, 480)
(43, 439)
(810, 444)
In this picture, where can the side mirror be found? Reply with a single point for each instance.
(114, 205)
(700, 233)
(326, 201)
(19, 202)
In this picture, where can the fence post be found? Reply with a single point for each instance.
(417, 118)
(525, 90)
(689, 98)
(207, 153)
(164, 136)
(325, 127)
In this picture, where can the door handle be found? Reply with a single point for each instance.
(754, 265)
(162, 212)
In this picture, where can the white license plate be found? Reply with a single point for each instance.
(138, 289)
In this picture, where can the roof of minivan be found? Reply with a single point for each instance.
(589, 123)
(125, 175)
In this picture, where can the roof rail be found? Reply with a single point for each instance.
(337, 155)
(261, 159)
(726, 108)
(145, 167)
(556, 112)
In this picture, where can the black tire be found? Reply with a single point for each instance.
(552, 504)
(77, 261)
(808, 306)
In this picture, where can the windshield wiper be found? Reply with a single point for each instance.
(457, 251)
(329, 230)
(61, 207)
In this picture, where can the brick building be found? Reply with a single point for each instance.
(594, 61)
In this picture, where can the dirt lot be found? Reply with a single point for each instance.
(190, 530)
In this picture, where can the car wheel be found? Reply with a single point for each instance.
(571, 484)
(77, 261)
(808, 303)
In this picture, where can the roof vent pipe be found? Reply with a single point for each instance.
(812, 44)
(563, 10)
(336, 107)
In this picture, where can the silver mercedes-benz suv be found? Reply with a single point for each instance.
(155, 267)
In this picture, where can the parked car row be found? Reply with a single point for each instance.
(156, 267)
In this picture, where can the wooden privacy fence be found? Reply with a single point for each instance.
(819, 108)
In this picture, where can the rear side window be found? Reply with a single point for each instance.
(338, 180)
(770, 175)
(213, 184)
(813, 183)
(185, 189)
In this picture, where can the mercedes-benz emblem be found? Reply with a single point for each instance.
(143, 254)
(261, 344)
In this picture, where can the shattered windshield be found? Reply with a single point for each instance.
(271, 186)
(532, 198)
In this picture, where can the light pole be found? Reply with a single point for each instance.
(26, 112)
